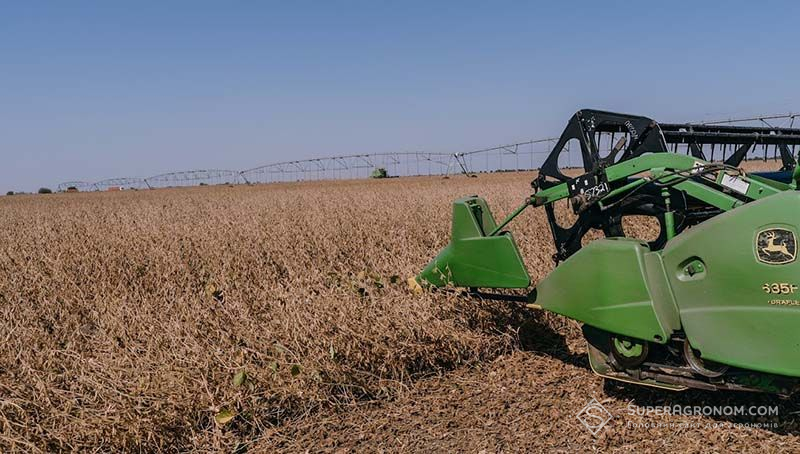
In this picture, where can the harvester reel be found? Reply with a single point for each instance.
(609, 221)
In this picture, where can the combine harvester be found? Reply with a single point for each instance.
(712, 303)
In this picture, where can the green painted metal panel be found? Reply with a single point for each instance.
(473, 259)
(664, 304)
(603, 285)
(772, 183)
(724, 308)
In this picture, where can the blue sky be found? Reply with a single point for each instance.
(90, 90)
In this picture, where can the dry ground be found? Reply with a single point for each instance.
(276, 317)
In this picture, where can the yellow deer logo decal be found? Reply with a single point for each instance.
(771, 247)
(776, 246)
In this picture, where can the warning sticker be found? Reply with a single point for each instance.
(735, 183)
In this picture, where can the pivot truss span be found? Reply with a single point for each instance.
(81, 186)
(194, 178)
(122, 183)
(352, 166)
(765, 137)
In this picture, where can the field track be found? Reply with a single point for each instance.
(276, 317)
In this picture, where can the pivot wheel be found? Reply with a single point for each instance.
(627, 352)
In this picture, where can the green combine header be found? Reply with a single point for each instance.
(712, 303)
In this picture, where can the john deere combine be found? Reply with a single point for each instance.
(713, 302)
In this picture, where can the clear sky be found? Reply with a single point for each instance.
(91, 90)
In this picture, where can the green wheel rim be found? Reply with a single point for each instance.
(628, 348)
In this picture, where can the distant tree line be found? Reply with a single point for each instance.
(41, 191)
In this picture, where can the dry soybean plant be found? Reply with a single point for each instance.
(196, 318)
